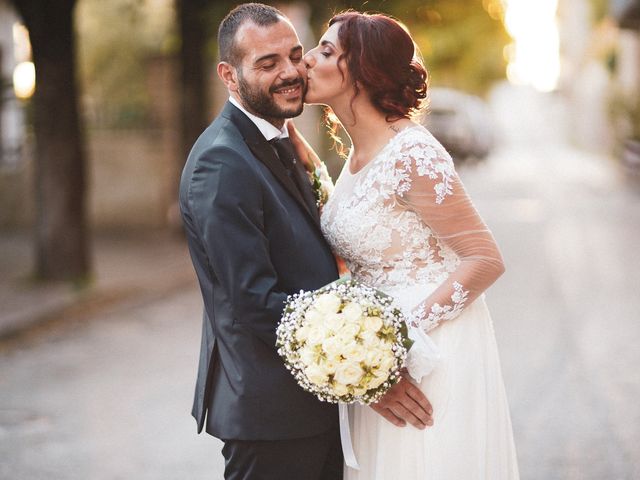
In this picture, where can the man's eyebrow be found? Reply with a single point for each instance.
(272, 56)
(269, 56)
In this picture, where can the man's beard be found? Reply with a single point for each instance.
(263, 105)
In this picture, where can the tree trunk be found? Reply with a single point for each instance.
(62, 249)
(192, 20)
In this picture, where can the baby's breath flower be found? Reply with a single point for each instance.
(345, 342)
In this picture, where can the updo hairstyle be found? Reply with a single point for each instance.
(381, 57)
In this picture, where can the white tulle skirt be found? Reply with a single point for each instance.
(471, 438)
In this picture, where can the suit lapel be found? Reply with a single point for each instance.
(264, 152)
(309, 196)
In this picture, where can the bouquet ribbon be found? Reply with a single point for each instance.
(345, 437)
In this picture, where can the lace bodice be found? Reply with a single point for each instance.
(405, 219)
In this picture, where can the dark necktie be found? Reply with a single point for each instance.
(295, 170)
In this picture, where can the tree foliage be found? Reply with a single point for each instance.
(115, 38)
(462, 41)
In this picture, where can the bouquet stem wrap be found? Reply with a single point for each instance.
(345, 437)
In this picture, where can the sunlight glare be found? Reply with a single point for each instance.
(24, 80)
(534, 56)
(21, 44)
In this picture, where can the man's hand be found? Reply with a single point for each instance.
(404, 402)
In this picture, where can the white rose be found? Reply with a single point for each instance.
(376, 381)
(348, 332)
(316, 374)
(307, 355)
(369, 339)
(327, 303)
(373, 357)
(386, 345)
(313, 317)
(332, 346)
(386, 364)
(302, 333)
(373, 324)
(326, 186)
(329, 366)
(349, 373)
(360, 391)
(334, 321)
(340, 389)
(354, 352)
(352, 312)
(316, 334)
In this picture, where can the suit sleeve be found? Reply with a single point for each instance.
(226, 201)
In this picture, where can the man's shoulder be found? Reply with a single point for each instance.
(219, 142)
(224, 131)
(221, 134)
(219, 161)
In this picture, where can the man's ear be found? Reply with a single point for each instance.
(229, 76)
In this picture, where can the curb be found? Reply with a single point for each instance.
(92, 302)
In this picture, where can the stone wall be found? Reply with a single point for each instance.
(129, 180)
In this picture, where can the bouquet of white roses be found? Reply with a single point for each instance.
(345, 342)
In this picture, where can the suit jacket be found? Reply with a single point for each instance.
(253, 240)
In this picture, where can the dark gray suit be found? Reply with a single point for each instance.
(253, 240)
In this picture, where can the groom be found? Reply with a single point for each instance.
(254, 237)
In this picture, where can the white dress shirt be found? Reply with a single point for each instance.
(267, 129)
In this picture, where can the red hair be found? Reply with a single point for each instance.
(381, 57)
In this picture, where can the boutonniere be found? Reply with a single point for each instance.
(319, 178)
(321, 185)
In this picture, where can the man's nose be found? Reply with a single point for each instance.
(290, 70)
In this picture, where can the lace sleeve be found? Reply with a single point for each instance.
(428, 185)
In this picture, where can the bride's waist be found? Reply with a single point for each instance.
(409, 295)
(405, 289)
(397, 289)
(398, 279)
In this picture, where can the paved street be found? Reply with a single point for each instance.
(108, 397)
(567, 309)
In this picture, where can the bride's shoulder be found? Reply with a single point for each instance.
(415, 143)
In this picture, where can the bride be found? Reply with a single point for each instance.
(400, 218)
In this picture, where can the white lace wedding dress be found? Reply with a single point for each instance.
(405, 225)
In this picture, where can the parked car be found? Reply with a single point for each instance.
(461, 122)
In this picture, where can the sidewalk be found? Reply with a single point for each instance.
(128, 267)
